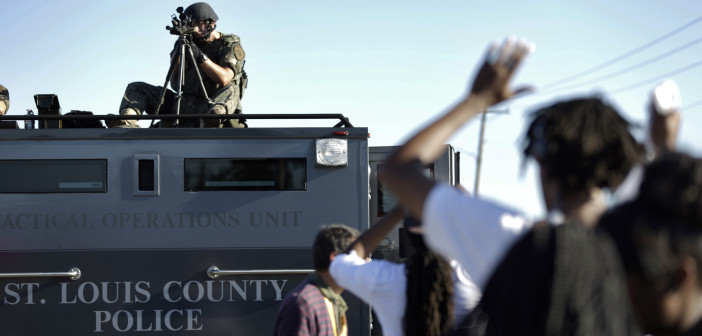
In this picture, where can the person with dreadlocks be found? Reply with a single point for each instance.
(583, 146)
(423, 296)
(659, 238)
(569, 284)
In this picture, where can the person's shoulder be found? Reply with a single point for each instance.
(444, 197)
(233, 43)
(304, 293)
(292, 311)
(230, 39)
(309, 292)
(350, 257)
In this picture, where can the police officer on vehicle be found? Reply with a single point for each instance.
(220, 59)
(4, 100)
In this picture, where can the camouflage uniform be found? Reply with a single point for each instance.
(225, 51)
(5, 97)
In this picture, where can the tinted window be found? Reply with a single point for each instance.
(53, 176)
(386, 200)
(245, 174)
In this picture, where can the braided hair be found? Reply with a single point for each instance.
(582, 143)
(429, 308)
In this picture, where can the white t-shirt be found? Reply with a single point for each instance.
(475, 232)
(383, 285)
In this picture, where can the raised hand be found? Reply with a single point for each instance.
(492, 81)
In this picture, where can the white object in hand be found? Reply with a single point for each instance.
(666, 97)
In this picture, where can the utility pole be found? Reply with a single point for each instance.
(479, 157)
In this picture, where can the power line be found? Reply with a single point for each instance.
(699, 102)
(631, 68)
(623, 56)
(655, 79)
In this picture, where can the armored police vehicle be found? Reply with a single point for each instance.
(176, 231)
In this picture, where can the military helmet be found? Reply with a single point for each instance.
(201, 11)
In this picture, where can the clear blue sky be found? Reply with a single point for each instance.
(391, 66)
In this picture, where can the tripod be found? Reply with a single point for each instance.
(177, 59)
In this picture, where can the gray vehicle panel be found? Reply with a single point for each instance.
(158, 244)
(205, 219)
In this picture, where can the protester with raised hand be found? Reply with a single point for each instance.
(423, 296)
(569, 283)
(583, 146)
(492, 227)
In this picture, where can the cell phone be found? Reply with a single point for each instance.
(666, 97)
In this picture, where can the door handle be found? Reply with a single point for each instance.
(73, 274)
(214, 272)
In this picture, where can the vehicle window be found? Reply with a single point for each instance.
(245, 174)
(386, 200)
(53, 176)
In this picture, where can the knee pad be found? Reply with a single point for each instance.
(218, 109)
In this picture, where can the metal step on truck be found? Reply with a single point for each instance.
(176, 231)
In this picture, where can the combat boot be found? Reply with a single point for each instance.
(124, 123)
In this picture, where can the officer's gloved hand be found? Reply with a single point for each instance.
(197, 53)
